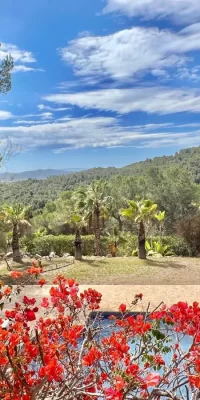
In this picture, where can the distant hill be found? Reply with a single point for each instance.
(37, 190)
(37, 174)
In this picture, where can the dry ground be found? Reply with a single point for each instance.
(120, 271)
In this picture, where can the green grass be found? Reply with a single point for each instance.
(119, 271)
(107, 271)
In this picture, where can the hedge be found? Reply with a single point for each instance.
(60, 244)
(64, 244)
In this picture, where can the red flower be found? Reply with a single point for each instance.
(42, 282)
(139, 296)
(122, 308)
(30, 314)
(34, 271)
(45, 302)
(3, 361)
(7, 291)
(16, 274)
(152, 379)
(28, 302)
(92, 356)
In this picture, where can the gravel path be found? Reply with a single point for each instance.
(113, 296)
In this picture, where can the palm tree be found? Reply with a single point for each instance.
(15, 218)
(93, 203)
(140, 212)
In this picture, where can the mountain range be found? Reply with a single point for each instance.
(37, 174)
(36, 188)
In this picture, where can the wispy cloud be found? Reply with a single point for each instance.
(46, 115)
(132, 52)
(96, 132)
(180, 11)
(24, 68)
(5, 115)
(30, 122)
(152, 100)
(42, 107)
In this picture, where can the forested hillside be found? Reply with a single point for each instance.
(139, 178)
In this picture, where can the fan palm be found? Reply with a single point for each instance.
(140, 212)
(93, 203)
(15, 218)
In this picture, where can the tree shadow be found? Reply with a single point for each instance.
(166, 263)
(93, 263)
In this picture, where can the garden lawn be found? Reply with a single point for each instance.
(132, 271)
(119, 271)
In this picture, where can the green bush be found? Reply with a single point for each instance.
(177, 245)
(60, 245)
(64, 244)
(130, 243)
(3, 242)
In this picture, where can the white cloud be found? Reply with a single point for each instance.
(130, 52)
(18, 55)
(180, 11)
(24, 68)
(93, 132)
(42, 107)
(181, 141)
(29, 122)
(152, 100)
(46, 115)
(5, 115)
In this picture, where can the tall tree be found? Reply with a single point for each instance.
(94, 202)
(140, 212)
(6, 67)
(15, 218)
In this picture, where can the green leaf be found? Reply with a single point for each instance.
(134, 253)
(158, 335)
(76, 218)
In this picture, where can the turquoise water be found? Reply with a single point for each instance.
(183, 340)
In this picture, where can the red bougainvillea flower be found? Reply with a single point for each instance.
(152, 379)
(45, 302)
(29, 302)
(194, 381)
(112, 394)
(92, 298)
(122, 308)
(139, 296)
(7, 291)
(34, 270)
(30, 314)
(42, 282)
(158, 360)
(92, 356)
(16, 274)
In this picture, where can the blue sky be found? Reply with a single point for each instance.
(100, 83)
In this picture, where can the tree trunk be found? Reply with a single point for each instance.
(120, 225)
(97, 233)
(15, 244)
(141, 241)
(119, 220)
(78, 246)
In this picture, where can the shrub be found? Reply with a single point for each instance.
(64, 244)
(177, 245)
(60, 244)
(130, 243)
(189, 229)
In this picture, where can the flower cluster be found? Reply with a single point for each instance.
(65, 352)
